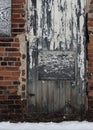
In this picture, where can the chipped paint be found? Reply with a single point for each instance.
(5, 17)
(56, 65)
(59, 26)
(57, 44)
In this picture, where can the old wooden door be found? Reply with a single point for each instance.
(56, 59)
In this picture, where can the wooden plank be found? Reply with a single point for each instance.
(56, 95)
(39, 17)
(62, 96)
(83, 50)
(74, 25)
(32, 97)
(68, 26)
(50, 96)
(44, 96)
(76, 101)
(62, 26)
(38, 96)
(68, 97)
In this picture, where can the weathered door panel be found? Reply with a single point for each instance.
(56, 65)
(56, 71)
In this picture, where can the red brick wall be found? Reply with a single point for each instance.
(12, 74)
(90, 59)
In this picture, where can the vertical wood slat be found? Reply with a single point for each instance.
(56, 95)
(62, 96)
(50, 95)
(44, 95)
(32, 97)
(38, 96)
(67, 96)
(68, 26)
(83, 51)
(62, 26)
(74, 24)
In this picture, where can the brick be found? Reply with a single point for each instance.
(18, 111)
(16, 82)
(5, 83)
(1, 58)
(21, 25)
(6, 39)
(3, 87)
(11, 49)
(15, 54)
(18, 30)
(12, 90)
(90, 93)
(18, 63)
(4, 73)
(14, 97)
(19, 20)
(17, 11)
(12, 87)
(12, 78)
(90, 23)
(6, 102)
(15, 45)
(10, 59)
(15, 25)
(1, 92)
(11, 68)
(2, 97)
(90, 69)
(5, 44)
(14, 106)
(2, 54)
(18, 1)
(15, 6)
(16, 74)
(4, 63)
(10, 63)
(2, 49)
(1, 77)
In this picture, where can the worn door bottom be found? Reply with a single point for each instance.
(54, 117)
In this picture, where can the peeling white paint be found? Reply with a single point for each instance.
(5, 17)
(64, 27)
(82, 53)
(74, 26)
(39, 15)
(59, 29)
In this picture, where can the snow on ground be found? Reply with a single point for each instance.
(72, 125)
